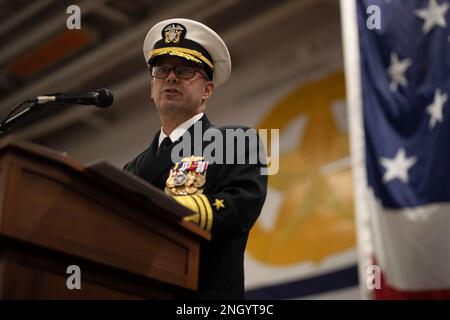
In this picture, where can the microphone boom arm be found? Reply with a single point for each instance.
(101, 98)
(8, 121)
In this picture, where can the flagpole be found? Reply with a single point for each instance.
(349, 26)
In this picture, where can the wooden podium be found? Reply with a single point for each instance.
(127, 238)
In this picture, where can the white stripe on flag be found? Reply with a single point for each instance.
(412, 246)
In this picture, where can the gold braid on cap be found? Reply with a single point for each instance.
(189, 54)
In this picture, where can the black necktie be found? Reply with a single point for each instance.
(164, 145)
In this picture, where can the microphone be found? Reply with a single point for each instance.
(102, 98)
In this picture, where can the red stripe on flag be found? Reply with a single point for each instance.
(386, 292)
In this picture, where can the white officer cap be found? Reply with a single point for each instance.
(190, 40)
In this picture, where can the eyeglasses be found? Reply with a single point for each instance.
(186, 73)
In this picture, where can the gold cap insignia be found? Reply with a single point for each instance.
(173, 33)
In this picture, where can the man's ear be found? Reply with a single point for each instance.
(208, 90)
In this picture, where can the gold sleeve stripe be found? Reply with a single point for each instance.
(202, 211)
(184, 201)
(193, 217)
(181, 201)
(190, 204)
(208, 212)
(198, 209)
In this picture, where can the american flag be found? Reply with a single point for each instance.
(405, 110)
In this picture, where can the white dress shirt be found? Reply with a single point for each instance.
(180, 130)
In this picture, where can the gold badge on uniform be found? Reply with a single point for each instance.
(173, 33)
(187, 177)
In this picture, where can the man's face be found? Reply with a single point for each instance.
(180, 97)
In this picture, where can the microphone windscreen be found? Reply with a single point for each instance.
(104, 98)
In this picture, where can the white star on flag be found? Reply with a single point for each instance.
(436, 107)
(397, 168)
(397, 71)
(433, 15)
